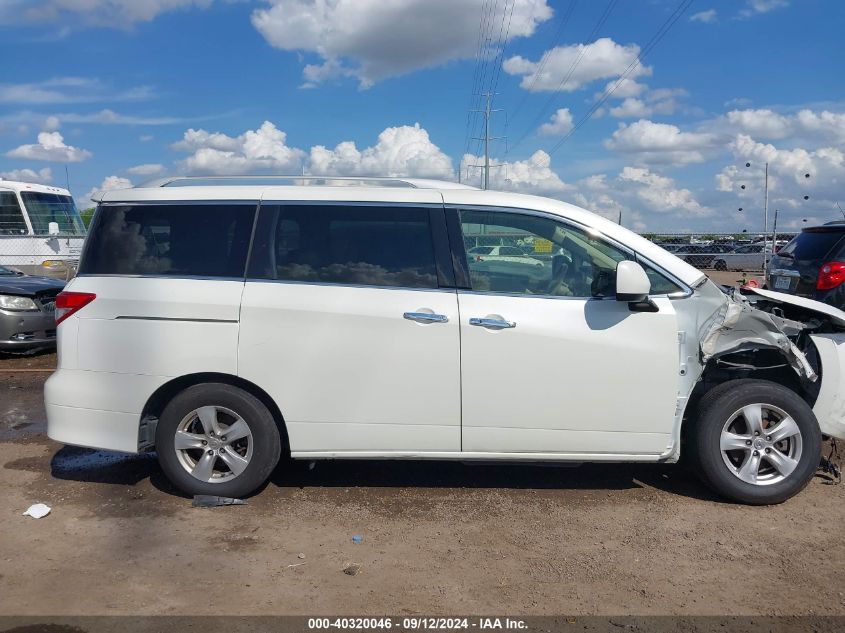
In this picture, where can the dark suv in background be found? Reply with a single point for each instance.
(812, 265)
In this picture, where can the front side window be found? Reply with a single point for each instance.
(171, 240)
(540, 256)
(356, 245)
(44, 208)
(11, 216)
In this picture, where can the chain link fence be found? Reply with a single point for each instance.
(741, 252)
(47, 255)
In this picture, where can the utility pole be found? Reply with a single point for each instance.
(487, 111)
(766, 221)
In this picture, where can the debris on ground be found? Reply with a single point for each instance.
(357, 539)
(301, 555)
(295, 565)
(352, 569)
(212, 501)
(37, 511)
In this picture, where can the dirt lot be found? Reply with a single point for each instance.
(437, 537)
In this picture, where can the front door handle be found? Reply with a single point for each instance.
(425, 317)
(498, 324)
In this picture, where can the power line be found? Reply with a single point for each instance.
(661, 32)
(575, 63)
(485, 18)
(545, 58)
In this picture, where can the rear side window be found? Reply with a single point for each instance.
(811, 244)
(11, 217)
(357, 245)
(171, 240)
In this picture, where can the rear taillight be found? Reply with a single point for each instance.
(831, 275)
(69, 302)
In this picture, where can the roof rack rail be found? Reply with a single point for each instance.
(300, 181)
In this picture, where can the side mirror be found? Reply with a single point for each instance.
(632, 284)
(53, 228)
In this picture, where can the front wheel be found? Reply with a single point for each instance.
(720, 265)
(216, 439)
(755, 441)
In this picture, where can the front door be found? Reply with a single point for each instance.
(550, 361)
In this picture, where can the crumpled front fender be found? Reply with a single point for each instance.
(830, 403)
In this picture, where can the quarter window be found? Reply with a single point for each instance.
(11, 217)
(539, 256)
(357, 245)
(171, 240)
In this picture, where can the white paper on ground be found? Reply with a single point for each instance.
(37, 511)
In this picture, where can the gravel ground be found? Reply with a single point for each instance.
(436, 537)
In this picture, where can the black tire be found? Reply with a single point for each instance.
(266, 442)
(720, 265)
(717, 407)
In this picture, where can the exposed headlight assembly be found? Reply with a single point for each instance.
(11, 302)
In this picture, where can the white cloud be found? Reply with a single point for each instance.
(627, 88)
(104, 13)
(761, 123)
(110, 183)
(533, 175)
(258, 151)
(560, 124)
(400, 151)
(372, 40)
(43, 176)
(788, 183)
(706, 17)
(70, 90)
(51, 124)
(661, 194)
(146, 138)
(601, 59)
(660, 143)
(762, 6)
(632, 108)
(147, 169)
(50, 147)
(769, 125)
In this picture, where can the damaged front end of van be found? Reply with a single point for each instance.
(790, 340)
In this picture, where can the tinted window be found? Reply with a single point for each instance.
(360, 245)
(811, 244)
(44, 208)
(11, 216)
(580, 266)
(173, 240)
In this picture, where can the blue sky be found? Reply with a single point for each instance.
(121, 91)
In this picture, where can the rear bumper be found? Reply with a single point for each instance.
(97, 409)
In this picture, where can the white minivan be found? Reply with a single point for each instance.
(225, 322)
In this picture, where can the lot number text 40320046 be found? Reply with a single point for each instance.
(416, 623)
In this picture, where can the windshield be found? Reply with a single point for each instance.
(44, 208)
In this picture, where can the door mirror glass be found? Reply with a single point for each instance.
(632, 283)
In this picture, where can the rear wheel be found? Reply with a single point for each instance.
(755, 441)
(217, 439)
(720, 264)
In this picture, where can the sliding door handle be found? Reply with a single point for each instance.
(425, 317)
(497, 324)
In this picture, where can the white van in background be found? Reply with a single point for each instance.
(41, 232)
(225, 322)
